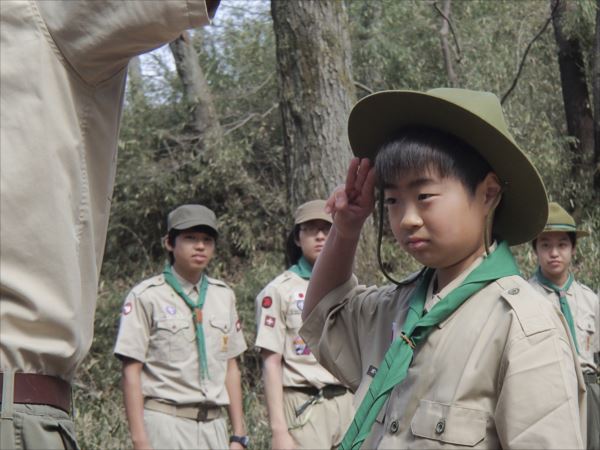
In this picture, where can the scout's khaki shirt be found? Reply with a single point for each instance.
(278, 318)
(63, 68)
(158, 330)
(500, 372)
(585, 308)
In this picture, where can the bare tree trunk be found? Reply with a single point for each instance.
(203, 121)
(596, 99)
(316, 95)
(452, 78)
(575, 92)
(134, 75)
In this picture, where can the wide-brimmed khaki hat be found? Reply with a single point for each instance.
(476, 118)
(561, 220)
(188, 216)
(313, 210)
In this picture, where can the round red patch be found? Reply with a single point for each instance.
(267, 302)
(300, 295)
(127, 308)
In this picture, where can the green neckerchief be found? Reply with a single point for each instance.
(302, 268)
(417, 326)
(562, 298)
(197, 313)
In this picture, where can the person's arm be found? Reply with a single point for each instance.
(233, 384)
(273, 382)
(134, 402)
(350, 205)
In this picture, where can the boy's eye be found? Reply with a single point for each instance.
(389, 201)
(425, 196)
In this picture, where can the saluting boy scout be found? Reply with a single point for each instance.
(178, 340)
(308, 407)
(465, 353)
(554, 248)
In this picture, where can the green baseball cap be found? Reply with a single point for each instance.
(561, 220)
(313, 210)
(475, 117)
(188, 216)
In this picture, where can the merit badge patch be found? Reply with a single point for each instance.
(300, 304)
(270, 321)
(372, 371)
(127, 307)
(170, 309)
(300, 347)
(238, 325)
(224, 343)
(267, 302)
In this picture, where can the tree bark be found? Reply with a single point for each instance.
(596, 99)
(446, 51)
(134, 75)
(575, 92)
(316, 95)
(203, 120)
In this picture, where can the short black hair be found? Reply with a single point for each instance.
(572, 238)
(293, 252)
(173, 233)
(418, 149)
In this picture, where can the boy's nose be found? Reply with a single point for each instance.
(411, 219)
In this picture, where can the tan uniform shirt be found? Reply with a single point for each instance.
(585, 308)
(63, 67)
(500, 372)
(278, 317)
(158, 330)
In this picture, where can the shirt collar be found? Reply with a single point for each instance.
(188, 288)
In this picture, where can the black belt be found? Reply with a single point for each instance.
(328, 391)
(591, 378)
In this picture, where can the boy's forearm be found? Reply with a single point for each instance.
(273, 382)
(233, 384)
(134, 401)
(333, 268)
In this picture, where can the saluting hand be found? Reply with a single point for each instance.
(352, 203)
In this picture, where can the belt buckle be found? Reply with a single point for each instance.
(202, 414)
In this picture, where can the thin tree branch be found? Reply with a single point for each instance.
(447, 19)
(363, 87)
(444, 41)
(522, 64)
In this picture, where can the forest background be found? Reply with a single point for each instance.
(247, 116)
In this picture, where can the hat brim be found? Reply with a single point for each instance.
(377, 118)
(194, 223)
(578, 233)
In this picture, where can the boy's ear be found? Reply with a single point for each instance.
(492, 190)
(165, 243)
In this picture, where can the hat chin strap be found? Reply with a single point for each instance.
(489, 223)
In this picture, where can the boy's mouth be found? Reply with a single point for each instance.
(413, 243)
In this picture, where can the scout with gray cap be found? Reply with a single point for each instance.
(189, 216)
(554, 249)
(314, 409)
(181, 331)
(470, 339)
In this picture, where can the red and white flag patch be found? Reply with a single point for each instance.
(238, 325)
(270, 321)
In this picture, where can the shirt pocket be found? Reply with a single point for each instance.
(219, 332)
(586, 328)
(449, 424)
(174, 339)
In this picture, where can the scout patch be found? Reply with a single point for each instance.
(170, 309)
(267, 302)
(224, 343)
(372, 371)
(127, 307)
(300, 347)
(300, 304)
(270, 321)
(238, 325)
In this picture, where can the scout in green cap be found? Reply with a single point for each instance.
(308, 407)
(464, 353)
(554, 248)
(178, 340)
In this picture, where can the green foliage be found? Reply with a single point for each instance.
(396, 45)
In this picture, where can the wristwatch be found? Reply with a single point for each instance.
(243, 440)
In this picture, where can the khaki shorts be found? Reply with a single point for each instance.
(320, 426)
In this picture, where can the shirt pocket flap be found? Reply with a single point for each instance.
(172, 325)
(587, 324)
(219, 324)
(450, 424)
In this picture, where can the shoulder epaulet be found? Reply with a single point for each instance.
(217, 282)
(157, 280)
(528, 304)
(585, 288)
(286, 275)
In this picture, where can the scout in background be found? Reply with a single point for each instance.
(554, 248)
(178, 340)
(308, 407)
(464, 353)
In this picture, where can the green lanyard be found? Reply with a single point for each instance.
(302, 268)
(417, 326)
(562, 299)
(197, 314)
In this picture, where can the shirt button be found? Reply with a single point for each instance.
(513, 291)
(440, 426)
(394, 427)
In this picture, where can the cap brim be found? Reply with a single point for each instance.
(377, 118)
(194, 223)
